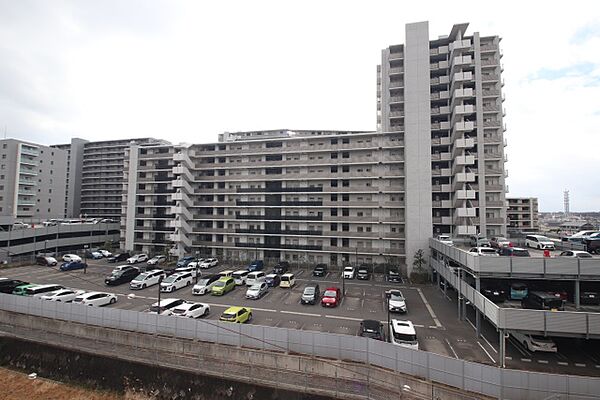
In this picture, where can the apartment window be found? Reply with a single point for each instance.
(334, 169)
(345, 154)
(346, 168)
(345, 183)
(345, 212)
(333, 227)
(4, 156)
(334, 212)
(334, 156)
(4, 145)
(359, 213)
(334, 183)
(345, 227)
(345, 140)
(345, 197)
(359, 229)
(333, 141)
(334, 197)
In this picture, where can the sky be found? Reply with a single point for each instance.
(186, 71)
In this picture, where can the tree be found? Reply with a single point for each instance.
(419, 261)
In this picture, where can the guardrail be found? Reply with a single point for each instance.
(465, 375)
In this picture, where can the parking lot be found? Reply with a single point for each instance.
(433, 314)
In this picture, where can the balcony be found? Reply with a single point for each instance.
(464, 126)
(396, 70)
(466, 230)
(396, 99)
(464, 143)
(27, 182)
(465, 160)
(29, 152)
(29, 172)
(465, 194)
(466, 212)
(465, 177)
(396, 84)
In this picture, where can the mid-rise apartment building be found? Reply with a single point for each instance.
(444, 97)
(32, 181)
(74, 164)
(522, 214)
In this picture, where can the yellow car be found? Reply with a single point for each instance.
(222, 286)
(239, 315)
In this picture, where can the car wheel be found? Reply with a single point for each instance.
(249, 317)
(205, 313)
(143, 286)
(113, 300)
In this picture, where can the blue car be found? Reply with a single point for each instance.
(70, 266)
(256, 265)
(183, 262)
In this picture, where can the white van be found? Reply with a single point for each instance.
(403, 334)
(287, 281)
(240, 276)
(539, 242)
(255, 277)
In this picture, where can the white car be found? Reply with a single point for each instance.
(156, 260)
(176, 281)
(189, 268)
(255, 277)
(71, 257)
(539, 242)
(192, 310)
(445, 239)
(240, 276)
(535, 342)
(20, 225)
(349, 273)
(120, 268)
(96, 299)
(257, 290)
(209, 263)
(105, 253)
(147, 279)
(96, 255)
(402, 333)
(138, 258)
(575, 254)
(484, 251)
(62, 295)
(165, 307)
(205, 284)
(396, 301)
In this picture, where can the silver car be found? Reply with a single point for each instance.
(257, 290)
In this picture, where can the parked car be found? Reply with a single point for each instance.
(7, 285)
(191, 310)
(535, 342)
(176, 281)
(256, 265)
(227, 273)
(40, 290)
(281, 268)
(46, 261)
(105, 253)
(483, 251)
(223, 286)
(147, 279)
(240, 277)
(95, 255)
(273, 280)
(320, 270)
(73, 265)
(372, 329)
(396, 301)
(348, 273)
(209, 263)
(575, 254)
(542, 301)
(592, 244)
(182, 262)
(120, 276)
(255, 277)
(71, 257)
(21, 290)
(62, 295)
(513, 252)
(118, 257)
(445, 239)
(403, 333)
(137, 258)
(20, 225)
(479, 241)
(156, 260)
(96, 299)
(499, 242)
(257, 290)
(331, 297)
(589, 298)
(237, 315)
(205, 284)
(311, 294)
(495, 294)
(539, 242)
(363, 273)
(165, 306)
(188, 268)
(518, 291)
(287, 280)
(393, 275)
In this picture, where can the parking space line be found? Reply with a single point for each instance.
(489, 344)
(451, 348)
(340, 317)
(526, 359)
(543, 361)
(435, 320)
(300, 313)
(564, 364)
(486, 352)
(579, 365)
(416, 325)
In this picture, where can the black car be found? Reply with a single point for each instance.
(363, 273)
(495, 294)
(589, 298)
(8, 285)
(311, 294)
(281, 268)
(514, 252)
(372, 329)
(393, 276)
(320, 270)
(125, 275)
(118, 257)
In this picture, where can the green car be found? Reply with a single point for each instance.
(20, 290)
(222, 286)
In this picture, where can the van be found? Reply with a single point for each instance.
(518, 291)
(542, 301)
(255, 277)
(40, 290)
(226, 274)
(287, 281)
(403, 334)
(539, 242)
(240, 277)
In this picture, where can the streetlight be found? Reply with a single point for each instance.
(85, 247)
(160, 279)
(387, 298)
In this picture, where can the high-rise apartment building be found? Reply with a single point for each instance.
(444, 97)
(74, 164)
(522, 214)
(32, 181)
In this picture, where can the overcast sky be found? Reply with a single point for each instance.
(186, 71)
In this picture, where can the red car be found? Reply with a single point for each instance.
(331, 297)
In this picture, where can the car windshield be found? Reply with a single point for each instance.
(396, 296)
(203, 282)
(540, 338)
(255, 287)
(329, 293)
(319, 268)
(219, 284)
(285, 278)
(309, 291)
(348, 269)
(117, 274)
(169, 279)
(393, 273)
(228, 315)
(544, 239)
(141, 277)
(520, 252)
(584, 255)
(179, 311)
(363, 271)
(487, 251)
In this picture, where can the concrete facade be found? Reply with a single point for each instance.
(523, 214)
(445, 97)
(32, 181)
(74, 166)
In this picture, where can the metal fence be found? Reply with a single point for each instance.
(479, 378)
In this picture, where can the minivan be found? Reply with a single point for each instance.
(255, 277)
(542, 301)
(40, 290)
(287, 281)
(205, 284)
(240, 277)
(539, 242)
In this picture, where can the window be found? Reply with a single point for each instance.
(345, 140)
(333, 227)
(334, 183)
(346, 168)
(345, 154)
(333, 141)
(345, 183)
(334, 212)
(334, 169)
(334, 156)
(345, 212)
(334, 197)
